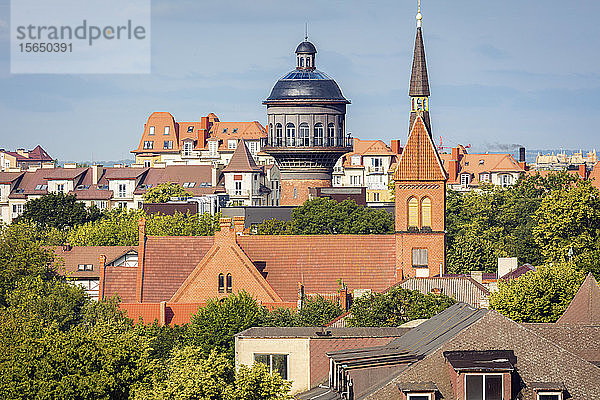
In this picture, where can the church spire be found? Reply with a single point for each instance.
(419, 81)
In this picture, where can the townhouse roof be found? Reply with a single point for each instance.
(126, 173)
(366, 148)
(242, 160)
(38, 154)
(419, 160)
(10, 177)
(36, 183)
(318, 332)
(197, 178)
(62, 173)
(537, 361)
(476, 164)
(585, 306)
(71, 257)
(91, 192)
(316, 261)
(462, 288)
(252, 130)
(583, 340)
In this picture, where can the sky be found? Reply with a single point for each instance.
(502, 74)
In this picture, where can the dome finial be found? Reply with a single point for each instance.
(306, 31)
(419, 16)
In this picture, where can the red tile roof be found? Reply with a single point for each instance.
(70, 260)
(180, 174)
(9, 177)
(319, 261)
(169, 261)
(120, 281)
(476, 164)
(124, 173)
(585, 306)
(419, 160)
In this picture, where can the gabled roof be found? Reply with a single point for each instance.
(461, 288)
(419, 82)
(39, 154)
(585, 306)
(126, 173)
(419, 160)
(242, 160)
(200, 176)
(9, 177)
(70, 259)
(476, 164)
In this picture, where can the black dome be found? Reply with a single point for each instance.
(306, 47)
(306, 85)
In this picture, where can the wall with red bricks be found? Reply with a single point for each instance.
(434, 242)
(436, 191)
(301, 185)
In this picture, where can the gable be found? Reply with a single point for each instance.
(420, 160)
(585, 306)
(224, 257)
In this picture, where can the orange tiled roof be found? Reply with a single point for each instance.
(366, 148)
(475, 164)
(200, 175)
(419, 160)
(70, 260)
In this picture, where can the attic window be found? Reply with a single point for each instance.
(481, 162)
(41, 187)
(235, 130)
(190, 129)
(419, 396)
(189, 184)
(231, 144)
(85, 267)
(549, 396)
(83, 187)
(466, 163)
(224, 130)
(483, 386)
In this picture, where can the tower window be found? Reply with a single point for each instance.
(221, 283)
(303, 135)
(413, 213)
(426, 212)
(295, 193)
(318, 139)
(419, 258)
(290, 132)
(229, 283)
(301, 62)
(278, 135)
(166, 130)
(330, 134)
(307, 62)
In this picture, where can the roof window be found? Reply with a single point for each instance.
(235, 130)
(224, 130)
(481, 162)
(189, 184)
(190, 129)
(39, 187)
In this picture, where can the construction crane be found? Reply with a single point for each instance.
(441, 146)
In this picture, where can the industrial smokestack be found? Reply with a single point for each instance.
(521, 154)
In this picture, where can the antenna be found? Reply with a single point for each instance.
(306, 31)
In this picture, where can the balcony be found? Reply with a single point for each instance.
(375, 170)
(338, 170)
(190, 154)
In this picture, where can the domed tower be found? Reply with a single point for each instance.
(306, 118)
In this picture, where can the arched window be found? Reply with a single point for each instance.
(229, 283)
(308, 62)
(413, 213)
(221, 283)
(303, 134)
(301, 61)
(331, 134)
(426, 212)
(290, 133)
(278, 135)
(318, 140)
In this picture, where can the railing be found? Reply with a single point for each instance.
(377, 170)
(190, 153)
(346, 141)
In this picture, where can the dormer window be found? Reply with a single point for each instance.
(166, 130)
(549, 396)
(355, 160)
(231, 144)
(484, 177)
(151, 130)
(465, 179)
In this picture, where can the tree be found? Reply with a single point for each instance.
(274, 226)
(163, 192)
(539, 296)
(58, 210)
(256, 383)
(317, 311)
(568, 227)
(396, 307)
(120, 227)
(21, 256)
(214, 325)
(324, 216)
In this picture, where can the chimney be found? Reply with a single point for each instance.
(344, 298)
(506, 265)
(521, 154)
(141, 259)
(396, 147)
(162, 319)
(225, 224)
(456, 154)
(102, 272)
(23, 153)
(300, 295)
(452, 168)
(95, 173)
(238, 225)
(477, 276)
(582, 171)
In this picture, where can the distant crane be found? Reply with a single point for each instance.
(441, 146)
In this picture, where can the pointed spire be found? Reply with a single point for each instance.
(419, 82)
(242, 160)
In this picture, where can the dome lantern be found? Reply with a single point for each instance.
(305, 55)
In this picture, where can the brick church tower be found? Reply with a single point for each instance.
(420, 184)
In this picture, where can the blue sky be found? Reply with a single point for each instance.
(501, 73)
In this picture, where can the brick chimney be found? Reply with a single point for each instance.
(141, 259)
(344, 298)
(582, 171)
(238, 225)
(96, 173)
(162, 319)
(396, 146)
(102, 273)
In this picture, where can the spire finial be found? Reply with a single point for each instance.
(419, 16)
(306, 31)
